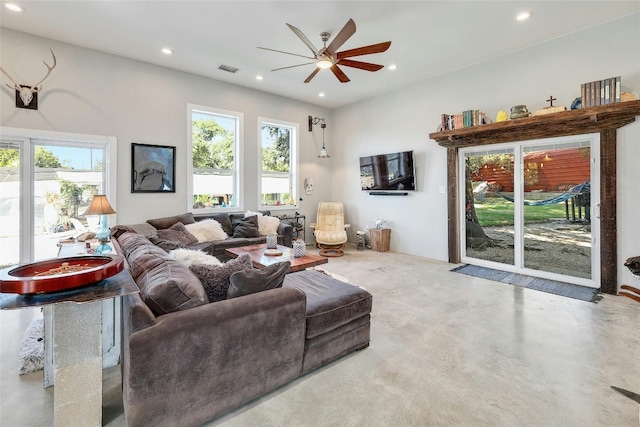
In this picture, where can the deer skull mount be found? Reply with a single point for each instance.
(27, 96)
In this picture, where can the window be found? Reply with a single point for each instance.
(214, 159)
(278, 164)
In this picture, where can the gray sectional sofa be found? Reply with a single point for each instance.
(185, 360)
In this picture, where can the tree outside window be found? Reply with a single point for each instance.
(277, 164)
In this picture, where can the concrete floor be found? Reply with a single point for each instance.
(446, 349)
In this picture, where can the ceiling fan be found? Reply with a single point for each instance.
(328, 57)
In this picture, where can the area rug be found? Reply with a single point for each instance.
(550, 286)
(31, 355)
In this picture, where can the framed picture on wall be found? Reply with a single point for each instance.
(153, 168)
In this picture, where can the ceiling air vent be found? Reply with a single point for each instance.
(228, 68)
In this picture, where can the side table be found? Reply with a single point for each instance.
(380, 239)
(77, 344)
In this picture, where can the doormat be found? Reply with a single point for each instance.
(570, 290)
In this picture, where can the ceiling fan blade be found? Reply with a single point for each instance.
(361, 65)
(339, 74)
(286, 53)
(293, 66)
(304, 39)
(312, 75)
(364, 50)
(347, 31)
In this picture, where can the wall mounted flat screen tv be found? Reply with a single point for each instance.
(388, 172)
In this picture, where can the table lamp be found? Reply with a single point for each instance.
(100, 206)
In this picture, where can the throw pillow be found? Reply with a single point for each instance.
(207, 230)
(165, 284)
(216, 278)
(257, 280)
(190, 256)
(166, 245)
(178, 232)
(266, 224)
(168, 221)
(246, 227)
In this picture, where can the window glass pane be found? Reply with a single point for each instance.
(277, 165)
(65, 180)
(214, 142)
(9, 204)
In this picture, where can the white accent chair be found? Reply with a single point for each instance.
(330, 229)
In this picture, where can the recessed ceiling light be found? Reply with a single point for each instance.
(14, 7)
(321, 94)
(393, 66)
(523, 16)
(168, 51)
(259, 77)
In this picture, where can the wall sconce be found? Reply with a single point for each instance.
(314, 121)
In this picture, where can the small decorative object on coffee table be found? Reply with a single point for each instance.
(272, 241)
(272, 252)
(299, 248)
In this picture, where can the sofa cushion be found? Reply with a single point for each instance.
(256, 280)
(178, 232)
(225, 222)
(130, 241)
(266, 224)
(246, 227)
(145, 229)
(166, 245)
(168, 221)
(165, 284)
(331, 303)
(216, 278)
(208, 230)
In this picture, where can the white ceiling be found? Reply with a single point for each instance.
(429, 38)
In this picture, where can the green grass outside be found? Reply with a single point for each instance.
(494, 211)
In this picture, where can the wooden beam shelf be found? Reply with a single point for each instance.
(603, 119)
(572, 122)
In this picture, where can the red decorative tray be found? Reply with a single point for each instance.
(59, 274)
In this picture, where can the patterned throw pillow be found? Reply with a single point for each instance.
(216, 278)
(178, 233)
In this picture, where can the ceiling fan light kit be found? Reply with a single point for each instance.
(329, 58)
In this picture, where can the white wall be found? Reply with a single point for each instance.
(92, 92)
(402, 120)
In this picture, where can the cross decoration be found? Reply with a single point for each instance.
(550, 100)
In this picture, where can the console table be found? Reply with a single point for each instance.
(77, 344)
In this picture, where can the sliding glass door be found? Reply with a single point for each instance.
(47, 181)
(532, 208)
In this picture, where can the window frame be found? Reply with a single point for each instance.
(293, 162)
(238, 161)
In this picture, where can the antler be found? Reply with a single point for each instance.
(15, 82)
(55, 62)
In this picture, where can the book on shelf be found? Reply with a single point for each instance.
(468, 118)
(600, 92)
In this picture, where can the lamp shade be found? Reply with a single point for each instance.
(99, 206)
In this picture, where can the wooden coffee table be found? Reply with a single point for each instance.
(260, 260)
